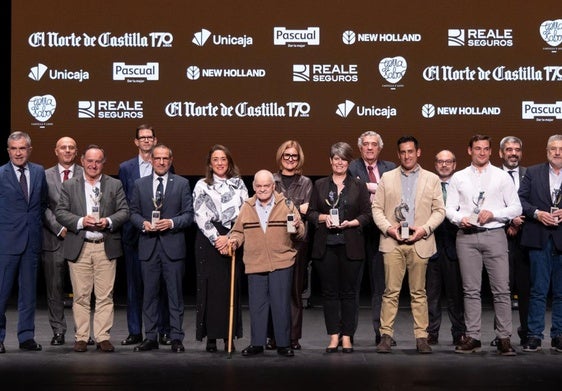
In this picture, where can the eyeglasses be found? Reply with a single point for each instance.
(145, 138)
(289, 156)
(442, 162)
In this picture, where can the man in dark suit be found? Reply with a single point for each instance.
(93, 208)
(23, 200)
(369, 169)
(541, 193)
(129, 171)
(162, 245)
(511, 153)
(54, 264)
(443, 271)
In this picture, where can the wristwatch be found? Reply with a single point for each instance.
(536, 214)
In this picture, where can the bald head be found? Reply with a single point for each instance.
(263, 185)
(66, 150)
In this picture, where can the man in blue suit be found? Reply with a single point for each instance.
(541, 198)
(23, 200)
(162, 244)
(129, 171)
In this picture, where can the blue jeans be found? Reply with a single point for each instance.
(546, 270)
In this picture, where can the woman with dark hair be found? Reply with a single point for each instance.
(217, 199)
(339, 209)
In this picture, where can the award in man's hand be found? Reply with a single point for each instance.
(157, 202)
(96, 197)
(556, 198)
(478, 201)
(401, 218)
(332, 201)
(290, 217)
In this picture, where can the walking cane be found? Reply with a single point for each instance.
(231, 314)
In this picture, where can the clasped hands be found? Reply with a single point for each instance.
(416, 233)
(160, 225)
(90, 223)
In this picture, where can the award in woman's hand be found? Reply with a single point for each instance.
(478, 201)
(96, 197)
(401, 218)
(332, 201)
(157, 202)
(556, 198)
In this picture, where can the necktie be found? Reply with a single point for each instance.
(372, 177)
(511, 175)
(159, 189)
(65, 175)
(444, 188)
(23, 183)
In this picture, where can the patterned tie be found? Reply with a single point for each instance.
(159, 189)
(23, 183)
(65, 175)
(372, 177)
(444, 188)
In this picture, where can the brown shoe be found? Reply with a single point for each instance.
(105, 346)
(422, 346)
(432, 339)
(384, 345)
(80, 346)
(504, 347)
(470, 345)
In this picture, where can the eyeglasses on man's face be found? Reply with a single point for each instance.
(443, 162)
(145, 138)
(290, 156)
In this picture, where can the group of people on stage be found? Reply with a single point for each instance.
(439, 228)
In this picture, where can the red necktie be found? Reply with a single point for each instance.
(65, 177)
(372, 177)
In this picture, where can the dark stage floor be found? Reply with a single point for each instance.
(59, 368)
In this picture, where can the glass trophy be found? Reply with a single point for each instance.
(332, 201)
(157, 202)
(556, 198)
(478, 201)
(401, 218)
(96, 197)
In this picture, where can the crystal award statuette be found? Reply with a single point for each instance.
(157, 202)
(477, 201)
(96, 197)
(556, 198)
(290, 217)
(332, 201)
(399, 215)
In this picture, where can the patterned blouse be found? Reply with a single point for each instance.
(218, 203)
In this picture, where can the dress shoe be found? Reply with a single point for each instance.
(58, 339)
(470, 345)
(504, 347)
(252, 350)
(422, 346)
(459, 339)
(295, 345)
(286, 352)
(147, 344)
(270, 344)
(165, 339)
(105, 346)
(332, 349)
(91, 341)
(177, 346)
(211, 345)
(80, 346)
(347, 350)
(2, 348)
(132, 339)
(30, 345)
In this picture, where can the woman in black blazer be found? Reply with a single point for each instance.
(339, 209)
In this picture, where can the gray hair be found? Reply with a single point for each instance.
(18, 135)
(343, 150)
(367, 134)
(510, 139)
(553, 138)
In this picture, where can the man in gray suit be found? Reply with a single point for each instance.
(162, 245)
(93, 208)
(54, 264)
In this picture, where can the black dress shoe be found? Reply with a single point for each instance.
(165, 339)
(252, 350)
(2, 348)
(211, 345)
(147, 344)
(58, 339)
(177, 346)
(132, 339)
(286, 352)
(347, 350)
(270, 344)
(332, 349)
(91, 341)
(295, 345)
(30, 345)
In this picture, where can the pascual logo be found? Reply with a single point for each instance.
(201, 37)
(349, 37)
(193, 72)
(241, 109)
(499, 73)
(319, 73)
(541, 111)
(136, 73)
(296, 38)
(393, 69)
(105, 40)
(551, 33)
(110, 109)
(38, 71)
(42, 107)
(480, 37)
(345, 109)
(429, 110)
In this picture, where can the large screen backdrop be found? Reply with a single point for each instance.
(252, 74)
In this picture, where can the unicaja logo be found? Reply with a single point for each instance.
(201, 37)
(37, 72)
(345, 108)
